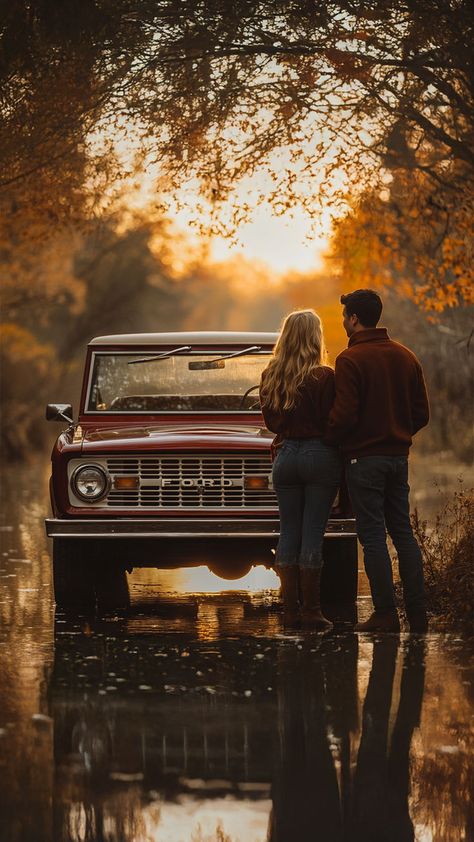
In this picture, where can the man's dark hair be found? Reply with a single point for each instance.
(366, 304)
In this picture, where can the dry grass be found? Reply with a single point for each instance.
(448, 559)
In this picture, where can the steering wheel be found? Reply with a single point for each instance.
(252, 389)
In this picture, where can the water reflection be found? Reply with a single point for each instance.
(243, 719)
(317, 717)
(195, 718)
(273, 737)
(146, 729)
(381, 780)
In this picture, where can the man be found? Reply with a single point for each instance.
(380, 403)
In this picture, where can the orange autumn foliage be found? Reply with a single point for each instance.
(413, 237)
(28, 366)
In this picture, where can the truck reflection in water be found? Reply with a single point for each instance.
(262, 733)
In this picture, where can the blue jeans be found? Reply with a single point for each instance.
(306, 476)
(378, 487)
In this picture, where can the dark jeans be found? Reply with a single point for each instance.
(378, 486)
(306, 476)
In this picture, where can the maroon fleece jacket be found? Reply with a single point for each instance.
(381, 399)
(309, 417)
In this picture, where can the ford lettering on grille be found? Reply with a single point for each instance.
(191, 482)
(200, 483)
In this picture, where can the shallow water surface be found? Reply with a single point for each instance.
(196, 718)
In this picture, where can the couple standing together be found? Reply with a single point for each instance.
(359, 418)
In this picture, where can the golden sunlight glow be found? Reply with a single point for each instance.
(280, 244)
(207, 819)
(201, 580)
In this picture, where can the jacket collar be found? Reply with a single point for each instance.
(371, 334)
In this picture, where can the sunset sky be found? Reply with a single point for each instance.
(283, 243)
(289, 242)
(280, 243)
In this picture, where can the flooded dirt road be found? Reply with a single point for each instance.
(195, 718)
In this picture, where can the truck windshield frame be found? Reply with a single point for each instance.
(133, 402)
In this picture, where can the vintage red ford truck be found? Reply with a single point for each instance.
(168, 465)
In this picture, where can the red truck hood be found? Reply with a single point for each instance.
(189, 436)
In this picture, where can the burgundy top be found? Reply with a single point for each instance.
(309, 417)
(381, 399)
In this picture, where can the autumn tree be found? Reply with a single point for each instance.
(317, 94)
(415, 234)
(125, 287)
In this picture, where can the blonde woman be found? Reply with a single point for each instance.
(296, 395)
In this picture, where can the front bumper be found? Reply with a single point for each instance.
(189, 528)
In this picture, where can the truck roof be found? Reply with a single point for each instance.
(199, 337)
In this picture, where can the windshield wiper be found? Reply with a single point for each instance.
(202, 364)
(162, 356)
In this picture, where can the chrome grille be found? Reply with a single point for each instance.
(191, 482)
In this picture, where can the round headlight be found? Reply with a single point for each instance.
(90, 482)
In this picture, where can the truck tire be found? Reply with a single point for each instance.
(73, 574)
(339, 574)
(111, 583)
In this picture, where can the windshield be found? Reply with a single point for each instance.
(175, 384)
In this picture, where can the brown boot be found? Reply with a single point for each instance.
(312, 616)
(380, 621)
(289, 594)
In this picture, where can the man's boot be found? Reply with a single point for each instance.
(310, 579)
(289, 594)
(417, 620)
(380, 621)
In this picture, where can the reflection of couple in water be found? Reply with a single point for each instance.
(319, 791)
(361, 417)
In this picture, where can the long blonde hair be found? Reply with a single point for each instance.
(299, 352)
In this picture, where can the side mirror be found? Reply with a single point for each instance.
(59, 412)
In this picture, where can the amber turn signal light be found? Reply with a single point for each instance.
(256, 483)
(126, 482)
